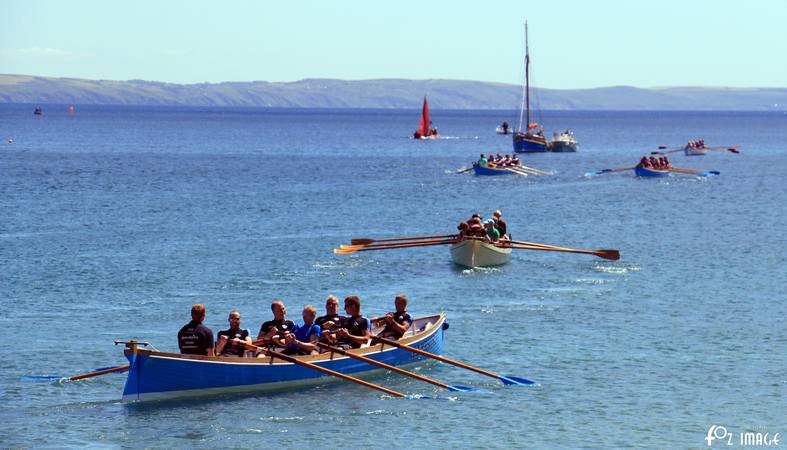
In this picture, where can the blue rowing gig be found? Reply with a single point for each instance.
(648, 172)
(481, 170)
(155, 375)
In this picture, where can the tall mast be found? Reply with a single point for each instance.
(527, 78)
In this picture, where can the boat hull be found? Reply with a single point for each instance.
(694, 151)
(528, 143)
(652, 173)
(563, 147)
(475, 253)
(157, 375)
(488, 171)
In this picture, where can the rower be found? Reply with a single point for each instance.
(229, 339)
(332, 317)
(482, 161)
(195, 338)
(644, 162)
(396, 323)
(355, 329)
(514, 161)
(273, 331)
(507, 160)
(303, 340)
(492, 235)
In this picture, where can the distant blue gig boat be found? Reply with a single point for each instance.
(480, 170)
(645, 172)
(155, 375)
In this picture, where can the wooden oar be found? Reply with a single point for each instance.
(364, 241)
(98, 372)
(465, 171)
(78, 377)
(291, 359)
(510, 169)
(345, 251)
(613, 255)
(619, 169)
(527, 170)
(694, 172)
(341, 351)
(537, 171)
(385, 244)
(504, 379)
(534, 244)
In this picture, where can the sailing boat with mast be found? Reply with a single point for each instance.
(425, 129)
(528, 140)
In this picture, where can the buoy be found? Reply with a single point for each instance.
(10, 141)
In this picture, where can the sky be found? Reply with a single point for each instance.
(573, 44)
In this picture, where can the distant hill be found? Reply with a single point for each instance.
(383, 93)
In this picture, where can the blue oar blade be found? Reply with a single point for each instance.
(460, 389)
(43, 378)
(711, 173)
(516, 381)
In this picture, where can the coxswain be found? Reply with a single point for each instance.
(397, 322)
(482, 161)
(500, 224)
(229, 340)
(644, 162)
(195, 338)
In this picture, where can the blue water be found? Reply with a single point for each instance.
(115, 221)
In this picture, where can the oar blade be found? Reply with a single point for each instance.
(460, 388)
(344, 251)
(711, 173)
(44, 378)
(516, 381)
(612, 255)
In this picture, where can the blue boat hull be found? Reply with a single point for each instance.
(643, 172)
(488, 171)
(529, 144)
(158, 375)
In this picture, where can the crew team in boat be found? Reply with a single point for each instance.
(661, 163)
(490, 230)
(697, 144)
(498, 160)
(282, 335)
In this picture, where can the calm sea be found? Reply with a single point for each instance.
(115, 220)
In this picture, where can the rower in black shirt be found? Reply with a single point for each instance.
(228, 339)
(195, 338)
(331, 314)
(397, 322)
(355, 329)
(272, 332)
